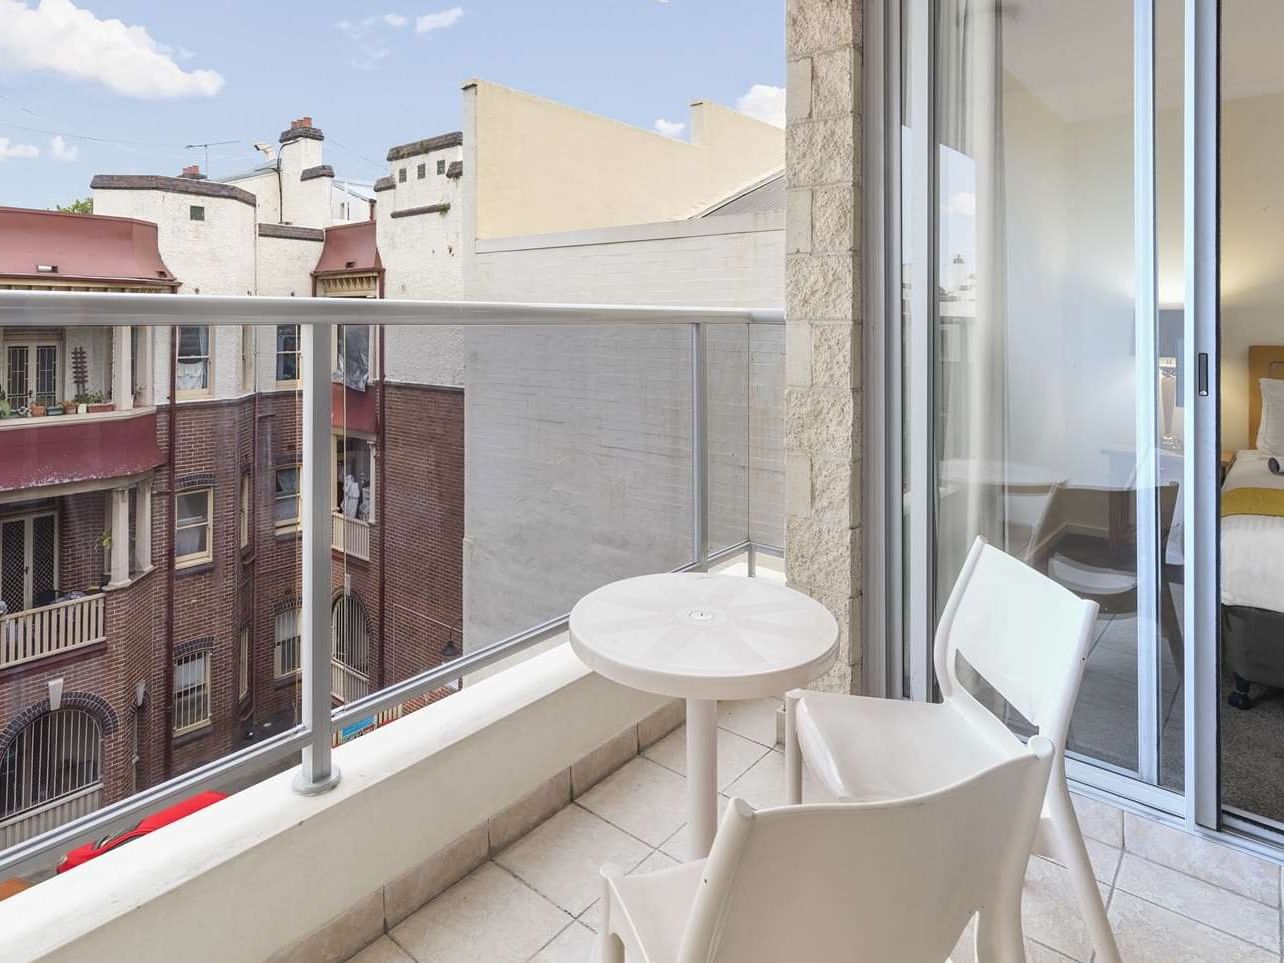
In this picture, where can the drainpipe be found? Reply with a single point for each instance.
(167, 686)
(381, 433)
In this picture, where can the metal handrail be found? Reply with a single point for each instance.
(314, 738)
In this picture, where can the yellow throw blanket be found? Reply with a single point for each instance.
(1253, 501)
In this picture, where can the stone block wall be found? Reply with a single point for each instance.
(823, 312)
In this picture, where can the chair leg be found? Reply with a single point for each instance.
(999, 938)
(1067, 841)
(793, 751)
(610, 948)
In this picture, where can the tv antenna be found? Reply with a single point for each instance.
(213, 143)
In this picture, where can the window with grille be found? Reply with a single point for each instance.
(441, 167)
(193, 528)
(286, 498)
(287, 353)
(401, 176)
(349, 649)
(422, 171)
(191, 692)
(193, 375)
(243, 679)
(286, 653)
(31, 375)
(196, 212)
(57, 755)
(28, 561)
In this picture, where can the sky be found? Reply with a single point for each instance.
(122, 86)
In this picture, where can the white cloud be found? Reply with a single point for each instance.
(22, 151)
(59, 149)
(764, 102)
(60, 37)
(395, 20)
(438, 21)
(669, 128)
(369, 57)
(963, 204)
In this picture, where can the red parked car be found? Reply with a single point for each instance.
(83, 854)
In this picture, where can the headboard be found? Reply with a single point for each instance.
(1264, 361)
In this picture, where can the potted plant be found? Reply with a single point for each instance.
(91, 402)
(38, 410)
(55, 409)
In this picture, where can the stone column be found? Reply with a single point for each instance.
(143, 527)
(118, 507)
(823, 315)
(122, 389)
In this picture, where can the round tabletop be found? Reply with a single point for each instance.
(697, 636)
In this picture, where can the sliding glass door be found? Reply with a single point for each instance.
(1045, 338)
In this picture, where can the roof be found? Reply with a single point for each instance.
(766, 195)
(121, 250)
(176, 185)
(440, 142)
(349, 247)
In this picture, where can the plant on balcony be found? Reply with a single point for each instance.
(92, 402)
(38, 410)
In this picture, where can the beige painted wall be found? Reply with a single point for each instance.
(541, 167)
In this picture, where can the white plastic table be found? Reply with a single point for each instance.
(703, 638)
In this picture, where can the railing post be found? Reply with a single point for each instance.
(700, 445)
(317, 773)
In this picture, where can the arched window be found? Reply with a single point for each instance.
(349, 649)
(55, 756)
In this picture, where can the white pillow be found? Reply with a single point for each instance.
(1270, 430)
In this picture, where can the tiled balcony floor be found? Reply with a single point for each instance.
(1171, 897)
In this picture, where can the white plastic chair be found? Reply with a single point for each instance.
(841, 882)
(1028, 638)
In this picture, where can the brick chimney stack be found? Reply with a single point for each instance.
(193, 172)
(300, 122)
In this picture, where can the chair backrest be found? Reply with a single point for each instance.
(867, 881)
(1027, 636)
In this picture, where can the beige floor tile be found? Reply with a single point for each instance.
(752, 718)
(678, 847)
(1050, 913)
(382, 950)
(965, 950)
(1151, 934)
(1219, 908)
(592, 917)
(643, 799)
(489, 915)
(763, 786)
(561, 858)
(1202, 858)
(573, 945)
(736, 754)
(1104, 859)
(1098, 820)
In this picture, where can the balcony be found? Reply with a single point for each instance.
(52, 630)
(70, 449)
(351, 536)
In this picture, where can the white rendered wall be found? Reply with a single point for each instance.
(578, 467)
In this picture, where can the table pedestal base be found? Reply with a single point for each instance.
(702, 775)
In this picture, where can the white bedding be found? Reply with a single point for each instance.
(1253, 545)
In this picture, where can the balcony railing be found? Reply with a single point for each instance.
(51, 815)
(52, 629)
(684, 360)
(346, 683)
(350, 536)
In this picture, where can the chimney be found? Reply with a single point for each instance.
(300, 122)
(193, 172)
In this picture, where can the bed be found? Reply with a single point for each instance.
(1252, 556)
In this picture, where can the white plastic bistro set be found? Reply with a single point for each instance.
(939, 804)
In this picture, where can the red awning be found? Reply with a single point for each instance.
(108, 250)
(58, 449)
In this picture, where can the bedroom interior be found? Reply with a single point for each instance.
(1062, 387)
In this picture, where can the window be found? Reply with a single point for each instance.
(247, 357)
(243, 680)
(193, 527)
(196, 212)
(286, 652)
(286, 508)
(31, 375)
(287, 353)
(422, 171)
(193, 374)
(354, 480)
(55, 755)
(352, 355)
(401, 176)
(191, 692)
(441, 167)
(245, 510)
(349, 649)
